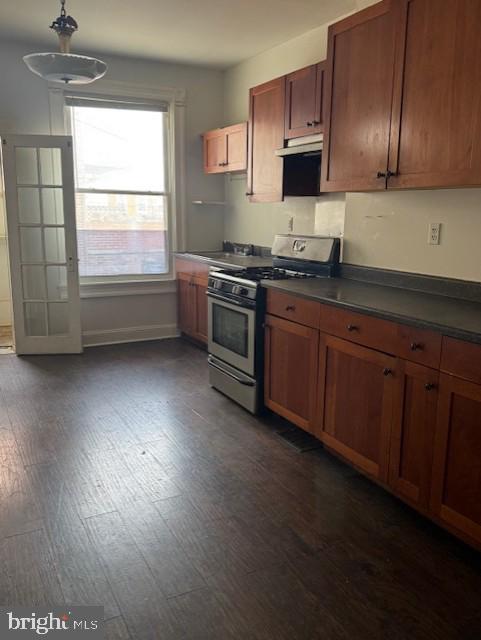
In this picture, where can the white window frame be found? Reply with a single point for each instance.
(92, 286)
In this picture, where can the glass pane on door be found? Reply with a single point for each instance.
(35, 319)
(29, 205)
(41, 228)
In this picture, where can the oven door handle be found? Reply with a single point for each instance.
(216, 296)
(247, 383)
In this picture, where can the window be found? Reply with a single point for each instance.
(122, 187)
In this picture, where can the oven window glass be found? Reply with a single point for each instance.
(230, 329)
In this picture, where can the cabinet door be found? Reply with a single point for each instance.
(414, 422)
(356, 394)
(266, 134)
(359, 90)
(291, 371)
(456, 487)
(215, 152)
(303, 105)
(200, 292)
(236, 144)
(436, 137)
(186, 305)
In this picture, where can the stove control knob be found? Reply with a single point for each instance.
(243, 291)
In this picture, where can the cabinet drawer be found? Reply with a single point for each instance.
(410, 343)
(293, 308)
(462, 359)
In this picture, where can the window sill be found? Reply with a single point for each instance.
(116, 289)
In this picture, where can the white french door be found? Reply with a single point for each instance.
(40, 206)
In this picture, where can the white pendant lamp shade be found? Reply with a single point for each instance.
(65, 67)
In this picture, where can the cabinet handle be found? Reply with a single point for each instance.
(352, 327)
(315, 123)
(249, 193)
(391, 174)
(416, 346)
(380, 174)
(429, 386)
(387, 372)
(290, 307)
(310, 124)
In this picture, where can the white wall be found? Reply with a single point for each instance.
(5, 304)
(387, 230)
(24, 108)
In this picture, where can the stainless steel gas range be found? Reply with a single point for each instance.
(236, 308)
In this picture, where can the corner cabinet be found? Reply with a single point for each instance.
(266, 134)
(403, 88)
(225, 150)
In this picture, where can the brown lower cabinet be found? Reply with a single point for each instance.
(412, 433)
(192, 307)
(192, 299)
(456, 483)
(290, 382)
(413, 428)
(356, 403)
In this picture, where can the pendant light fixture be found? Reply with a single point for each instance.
(65, 66)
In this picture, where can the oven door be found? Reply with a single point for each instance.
(232, 329)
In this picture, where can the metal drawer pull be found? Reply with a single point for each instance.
(352, 327)
(246, 383)
(429, 386)
(290, 307)
(416, 346)
(381, 174)
(387, 372)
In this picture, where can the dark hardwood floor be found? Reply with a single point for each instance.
(126, 481)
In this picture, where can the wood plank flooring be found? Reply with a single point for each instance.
(126, 481)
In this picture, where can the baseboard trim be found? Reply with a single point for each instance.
(129, 334)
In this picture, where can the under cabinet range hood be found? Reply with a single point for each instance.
(302, 166)
(311, 145)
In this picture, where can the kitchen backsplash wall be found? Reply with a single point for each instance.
(387, 230)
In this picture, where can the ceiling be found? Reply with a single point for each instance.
(217, 33)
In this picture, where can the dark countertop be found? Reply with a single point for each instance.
(224, 260)
(450, 316)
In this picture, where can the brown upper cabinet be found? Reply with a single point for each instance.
(225, 149)
(266, 134)
(304, 97)
(436, 128)
(403, 88)
(359, 88)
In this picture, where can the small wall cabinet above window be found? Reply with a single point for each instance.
(225, 149)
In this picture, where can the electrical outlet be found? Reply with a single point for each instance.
(434, 233)
(290, 224)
